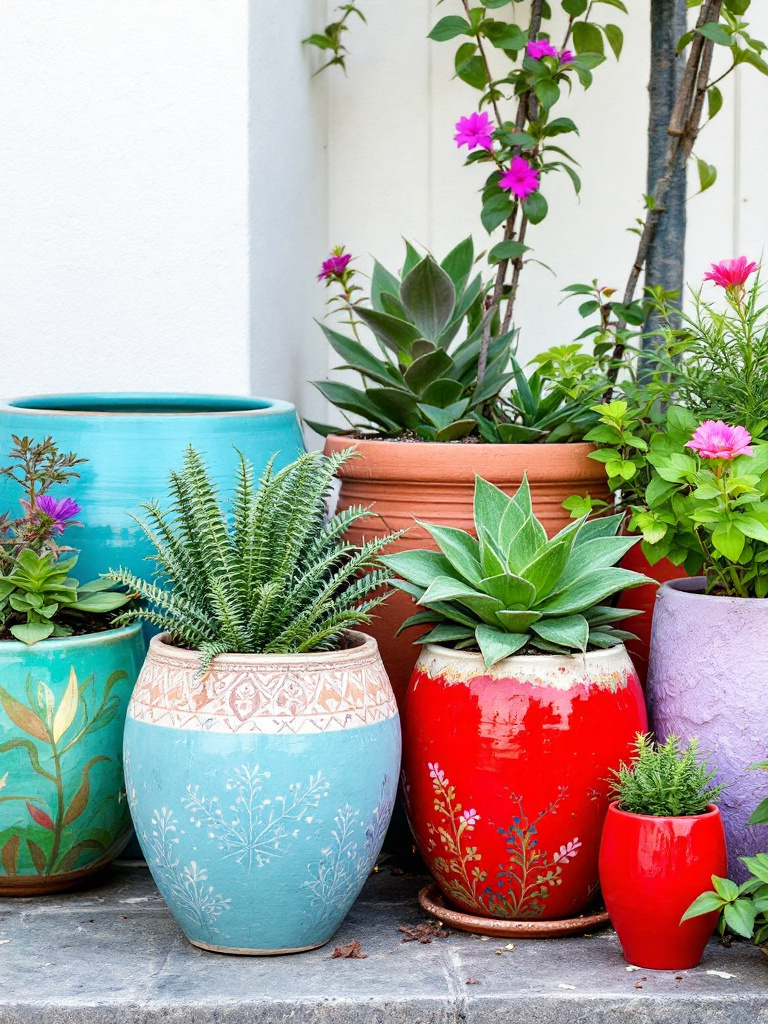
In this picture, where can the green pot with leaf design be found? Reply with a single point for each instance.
(63, 812)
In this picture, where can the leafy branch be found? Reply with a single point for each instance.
(330, 40)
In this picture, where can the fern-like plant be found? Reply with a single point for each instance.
(665, 780)
(274, 576)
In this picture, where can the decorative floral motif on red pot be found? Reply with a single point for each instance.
(506, 774)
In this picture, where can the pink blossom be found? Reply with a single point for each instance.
(538, 48)
(436, 772)
(716, 440)
(474, 130)
(471, 817)
(731, 273)
(567, 57)
(335, 265)
(521, 179)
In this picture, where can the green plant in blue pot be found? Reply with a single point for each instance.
(66, 673)
(271, 717)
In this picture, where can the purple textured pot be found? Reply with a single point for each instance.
(708, 678)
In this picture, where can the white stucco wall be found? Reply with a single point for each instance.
(171, 176)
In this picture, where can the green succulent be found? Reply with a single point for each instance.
(665, 780)
(511, 589)
(424, 383)
(38, 597)
(272, 574)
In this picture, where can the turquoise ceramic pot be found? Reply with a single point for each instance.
(262, 790)
(132, 442)
(63, 812)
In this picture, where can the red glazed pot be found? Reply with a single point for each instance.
(651, 870)
(506, 774)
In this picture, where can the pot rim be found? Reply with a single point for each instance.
(693, 586)
(712, 811)
(45, 405)
(450, 653)
(343, 440)
(365, 647)
(58, 643)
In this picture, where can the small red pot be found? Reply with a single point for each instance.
(651, 870)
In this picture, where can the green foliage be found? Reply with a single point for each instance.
(330, 40)
(665, 780)
(272, 575)
(38, 597)
(743, 908)
(509, 589)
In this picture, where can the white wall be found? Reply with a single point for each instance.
(171, 176)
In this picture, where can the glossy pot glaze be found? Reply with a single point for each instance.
(63, 812)
(708, 678)
(261, 791)
(404, 481)
(132, 442)
(506, 774)
(651, 871)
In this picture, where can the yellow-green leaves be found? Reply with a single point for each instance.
(65, 713)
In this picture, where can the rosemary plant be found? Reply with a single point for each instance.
(664, 780)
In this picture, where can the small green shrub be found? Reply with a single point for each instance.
(664, 780)
(273, 575)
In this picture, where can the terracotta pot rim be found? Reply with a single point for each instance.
(605, 653)
(59, 643)
(341, 440)
(365, 648)
(712, 811)
(693, 587)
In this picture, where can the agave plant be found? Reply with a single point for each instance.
(273, 575)
(511, 589)
(423, 383)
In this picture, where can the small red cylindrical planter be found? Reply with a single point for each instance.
(506, 774)
(651, 870)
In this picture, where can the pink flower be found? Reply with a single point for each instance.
(521, 179)
(59, 510)
(567, 57)
(474, 130)
(538, 48)
(731, 273)
(335, 265)
(471, 817)
(716, 440)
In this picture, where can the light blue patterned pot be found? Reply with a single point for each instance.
(261, 791)
(63, 812)
(132, 442)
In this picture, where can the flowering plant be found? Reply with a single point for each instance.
(38, 596)
(707, 508)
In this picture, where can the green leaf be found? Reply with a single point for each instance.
(393, 332)
(602, 526)
(449, 28)
(455, 430)
(382, 282)
(517, 621)
(547, 92)
(740, 917)
(615, 38)
(587, 38)
(100, 603)
(574, 7)
(758, 866)
(535, 207)
(32, 632)
(725, 887)
(514, 433)
(419, 567)
(728, 540)
(507, 251)
(444, 633)
(443, 392)
(357, 357)
(470, 68)
(429, 296)
(548, 565)
(427, 369)
(707, 903)
(568, 631)
(590, 589)
(448, 589)
(458, 263)
(355, 401)
(495, 211)
(760, 815)
(490, 504)
(505, 36)
(707, 174)
(717, 33)
(461, 549)
(496, 645)
(598, 553)
(714, 101)
(510, 589)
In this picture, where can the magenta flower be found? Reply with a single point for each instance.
(521, 179)
(473, 131)
(335, 265)
(60, 511)
(567, 57)
(731, 273)
(716, 440)
(538, 48)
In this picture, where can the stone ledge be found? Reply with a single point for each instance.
(114, 954)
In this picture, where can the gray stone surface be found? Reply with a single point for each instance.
(114, 954)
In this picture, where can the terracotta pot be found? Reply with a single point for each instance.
(643, 599)
(402, 481)
(707, 679)
(651, 870)
(505, 773)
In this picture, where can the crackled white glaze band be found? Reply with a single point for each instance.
(253, 693)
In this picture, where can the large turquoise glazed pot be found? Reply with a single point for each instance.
(132, 442)
(261, 790)
(63, 810)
